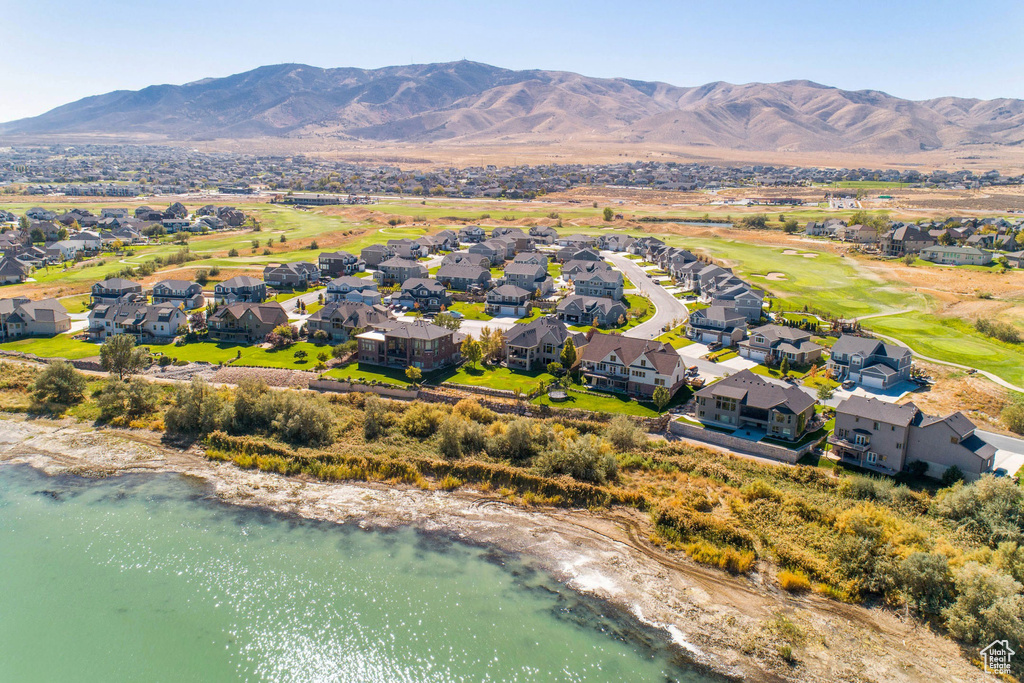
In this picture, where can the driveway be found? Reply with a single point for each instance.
(668, 308)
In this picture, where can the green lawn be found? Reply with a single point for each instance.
(497, 378)
(282, 358)
(364, 372)
(676, 337)
(470, 311)
(76, 304)
(209, 352)
(61, 346)
(535, 313)
(954, 341)
(608, 403)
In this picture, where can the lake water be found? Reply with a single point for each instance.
(146, 578)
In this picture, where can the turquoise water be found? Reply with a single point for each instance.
(145, 578)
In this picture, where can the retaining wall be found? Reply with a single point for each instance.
(766, 450)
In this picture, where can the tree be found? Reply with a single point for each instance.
(60, 383)
(373, 418)
(300, 355)
(448, 321)
(130, 399)
(472, 350)
(568, 355)
(784, 366)
(413, 374)
(555, 369)
(909, 259)
(1013, 415)
(120, 355)
(37, 235)
(790, 226)
(197, 409)
(661, 397)
(825, 392)
(608, 214)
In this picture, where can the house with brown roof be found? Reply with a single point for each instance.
(531, 346)
(887, 438)
(21, 317)
(245, 322)
(611, 362)
(748, 401)
(340, 319)
(418, 344)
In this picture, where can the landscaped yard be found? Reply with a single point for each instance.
(535, 313)
(76, 304)
(366, 373)
(470, 311)
(282, 358)
(496, 378)
(676, 337)
(613, 403)
(61, 346)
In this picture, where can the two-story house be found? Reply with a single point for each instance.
(771, 343)
(472, 234)
(375, 254)
(717, 324)
(23, 318)
(240, 289)
(464, 278)
(905, 239)
(887, 438)
(869, 362)
(338, 263)
(245, 322)
(418, 344)
(745, 299)
(531, 346)
(611, 362)
(600, 283)
(340, 319)
(508, 300)
(424, 295)
(491, 250)
(188, 295)
(294, 275)
(599, 311)
(114, 289)
(749, 402)
(530, 276)
(352, 288)
(397, 270)
(154, 323)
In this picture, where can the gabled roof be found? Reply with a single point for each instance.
(875, 410)
(423, 282)
(546, 330)
(240, 281)
(757, 392)
(662, 357)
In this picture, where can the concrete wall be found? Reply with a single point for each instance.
(387, 391)
(728, 441)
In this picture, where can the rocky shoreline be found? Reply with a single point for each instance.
(736, 626)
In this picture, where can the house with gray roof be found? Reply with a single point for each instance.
(338, 263)
(599, 283)
(887, 438)
(531, 346)
(294, 275)
(12, 271)
(156, 323)
(717, 324)
(114, 289)
(599, 311)
(245, 322)
(21, 317)
(748, 401)
(508, 300)
(472, 234)
(869, 362)
(769, 344)
(739, 295)
(352, 288)
(183, 293)
(423, 294)
(240, 289)
(904, 239)
(418, 344)
(529, 276)
(340, 319)
(957, 256)
(464, 278)
(464, 258)
(375, 254)
(397, 270)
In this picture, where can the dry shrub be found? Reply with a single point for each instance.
(729, 559)
(794, 581)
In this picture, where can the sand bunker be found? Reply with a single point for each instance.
(794, 252)
(775, 276)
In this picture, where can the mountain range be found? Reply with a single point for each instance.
(469, 102)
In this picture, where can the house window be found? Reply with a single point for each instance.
(658, 382)
(612, 358)
(872, 457)
(876, 426)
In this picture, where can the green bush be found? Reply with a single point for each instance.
(197, 409)
(624, 434)
(420, 420)
(129, 400)
(586, 458)
(61, 384)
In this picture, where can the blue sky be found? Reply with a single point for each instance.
(52, 52)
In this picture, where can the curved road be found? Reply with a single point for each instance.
(667, 307)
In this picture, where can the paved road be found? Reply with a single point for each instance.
(668, 308)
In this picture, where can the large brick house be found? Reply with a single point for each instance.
(417, 344)
(245, 322)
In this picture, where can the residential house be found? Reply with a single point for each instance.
(741, 296)
(64, 250)
(615, 242)
(173, 225)
(532, 257)
(633, 366)
(245, 322)
(295, 275)
(543, 234)
(532, 277)
(464, 278)
(869, 362)
(572, 268)
(508, 300)
(240, 289)
(717, 324)
(146, 322)
(23, 318)
(91, 242)
(12, 271)
(748, 402)
(406, 248)
(418, 344)
(861, 234)
(424, 294)
(397, 270)
(887, 438)
(472, 234)
(577, 241)
(338, 263)
(351, 288)
(600, 283)
(340, 319)
(591, 310)
(574, 253)
(957, 256)
(375, 254)
(771, 343)
(188, 295)
(463, 258)
(114, 289)
(905, 239)
(531, 346)
(494, 250)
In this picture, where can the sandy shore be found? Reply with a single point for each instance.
(729, 624)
